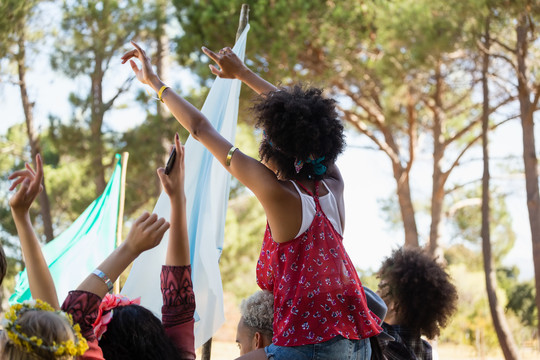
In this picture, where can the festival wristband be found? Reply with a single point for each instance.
(100, 274)
(160, 92)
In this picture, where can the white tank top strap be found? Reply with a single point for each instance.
(328, 205)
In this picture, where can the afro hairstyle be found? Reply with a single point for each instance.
(298, 123)
(423, 296)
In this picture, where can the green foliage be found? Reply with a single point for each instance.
(244, 229)
(15, 13)
(521, 301)
(467, 219)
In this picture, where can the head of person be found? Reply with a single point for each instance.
(419, 293)
(34, 330)
(302, 134)
(126, 330)
(255, 329)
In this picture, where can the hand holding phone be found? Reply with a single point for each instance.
(170, 162)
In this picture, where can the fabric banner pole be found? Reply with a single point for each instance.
(121, 203)
(242, 23)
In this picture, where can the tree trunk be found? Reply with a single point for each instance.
(403, 189)
(438, 177)
(529, 150)
(96, 122)
(43, 198)
(504, 335)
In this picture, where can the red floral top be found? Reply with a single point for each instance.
(177, 312)
(317, 292)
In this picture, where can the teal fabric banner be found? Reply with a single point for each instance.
(83, 246)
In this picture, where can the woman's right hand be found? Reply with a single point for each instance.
(231, 66)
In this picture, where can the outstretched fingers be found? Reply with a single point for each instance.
(212, 55)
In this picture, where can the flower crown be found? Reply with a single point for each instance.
(106, 311)
(31, 343)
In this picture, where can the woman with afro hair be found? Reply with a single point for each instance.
(320, 306)
(421, 299)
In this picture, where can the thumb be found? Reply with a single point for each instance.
(134, 66)
(214, 70)
(161, 174)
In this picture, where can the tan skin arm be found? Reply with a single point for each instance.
(146, 233)
(173, 185)
(233, 68)
(39, 277)
(280, 201)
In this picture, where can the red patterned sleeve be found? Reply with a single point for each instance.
(178, 308)
(83, 307)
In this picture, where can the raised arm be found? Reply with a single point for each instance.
(146, 233)
(250, 172)
(39, 277)
(173, 185)
(231, 67)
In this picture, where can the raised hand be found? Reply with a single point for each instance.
(30, 188)
(146, 233)
(231, 66)
(146, 74)
(173, 184)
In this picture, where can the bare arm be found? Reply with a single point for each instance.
(146, 233)
(39, 277)
(272, 193)
(173, 184)
(233, 68)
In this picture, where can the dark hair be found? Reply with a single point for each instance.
(3, 264)
(298, 123)
(136, 333)
(423, 296)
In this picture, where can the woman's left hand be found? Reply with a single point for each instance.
(30, 188)
(173, 183)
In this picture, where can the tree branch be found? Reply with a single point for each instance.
(500, 56)
(121, 90)
(475, 121)
(503, 45)
(361, 126)
(471, 143)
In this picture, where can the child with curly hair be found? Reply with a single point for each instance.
(421, 300)
(319, 303)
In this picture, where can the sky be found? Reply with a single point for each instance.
(367, 173)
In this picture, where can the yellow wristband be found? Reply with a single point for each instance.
(160, 92)
(229, 155)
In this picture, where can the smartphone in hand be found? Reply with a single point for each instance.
(170, 162)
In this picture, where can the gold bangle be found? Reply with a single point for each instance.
(229, 155)
(160, 92)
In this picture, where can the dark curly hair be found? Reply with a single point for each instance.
(136, 333)
(423, 296)
(298, 123)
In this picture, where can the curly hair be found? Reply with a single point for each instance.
(258, 312)
(423, 296)
(299, 124)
